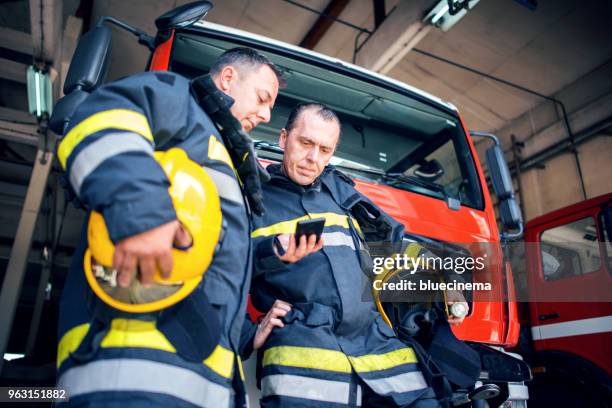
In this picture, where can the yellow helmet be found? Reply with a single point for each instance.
(198, 208)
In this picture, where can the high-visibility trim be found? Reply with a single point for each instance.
(313, 389)
(355, 224)
(378, 362)
(307, 357)
(122, 333)
(288, 227)
(593, 325)
(227, 186)
(400, 383)
(338, 238)
(106, 147)
(217, 151)
(221, 361)
(120, 119)
(136, 375)
(136, 333)
(241, 370)
(70, 342)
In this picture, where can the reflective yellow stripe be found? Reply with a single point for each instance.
(307, 357)
(288, 227)
(221, 361)
(240, 369)
(136, 333)
(121, 119)
(356, 224)
(70, 342)
(217, 151)
(378, 362)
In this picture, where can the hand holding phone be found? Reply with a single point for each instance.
(309, 227)
(305, 241)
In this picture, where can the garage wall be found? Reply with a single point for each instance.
(557, 184)
(553, 181)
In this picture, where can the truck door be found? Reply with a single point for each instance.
(570, 261)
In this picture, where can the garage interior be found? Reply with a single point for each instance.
(535, 73)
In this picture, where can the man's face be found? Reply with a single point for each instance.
(309, 147)
(254, 92)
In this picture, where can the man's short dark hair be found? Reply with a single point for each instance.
(323, 111)
(247, 59)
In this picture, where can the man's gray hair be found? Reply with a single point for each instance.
(247, 59)
(323, 111)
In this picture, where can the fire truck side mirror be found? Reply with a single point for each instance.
(509, 211)
(183, 16)
(500, 175)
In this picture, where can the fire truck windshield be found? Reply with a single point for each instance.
(391, 134)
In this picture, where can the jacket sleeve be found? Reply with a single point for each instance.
(247, 335)
(264, 258)
(108, 150)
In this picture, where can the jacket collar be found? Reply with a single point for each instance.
(278, 177)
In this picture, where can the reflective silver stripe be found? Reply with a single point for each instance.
(306, 388)
(227, 186)
(338, 239)
(398, 383)
(358, 395)
(144, 376)
(107, 146)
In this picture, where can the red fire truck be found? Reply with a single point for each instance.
(408, 151)
(567, 341)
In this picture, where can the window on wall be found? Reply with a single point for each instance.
(570, 250)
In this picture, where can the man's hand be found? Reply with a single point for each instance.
(293, 252)
(147, 251)
(453, 296)
(270, 320)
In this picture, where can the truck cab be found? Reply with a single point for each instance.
(569, 266)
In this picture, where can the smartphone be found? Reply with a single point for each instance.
(309, 227)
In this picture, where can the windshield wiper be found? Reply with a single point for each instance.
(452, 202)
(268, 147)
(399, 177)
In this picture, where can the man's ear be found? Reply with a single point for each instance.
(227, 75)
(282, 139)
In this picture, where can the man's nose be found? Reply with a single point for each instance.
(265, 114)
(313, 154)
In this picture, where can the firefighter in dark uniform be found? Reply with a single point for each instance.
(185, 354)
(329, 347)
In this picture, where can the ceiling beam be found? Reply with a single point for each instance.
(320, 27)
(46, 24)
(20, 133)
(15, 40)
(16, 115)
(401, 30)
(13, 71)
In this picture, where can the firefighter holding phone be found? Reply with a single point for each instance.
(321, 343)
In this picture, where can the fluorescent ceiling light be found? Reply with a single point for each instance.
(440, 17)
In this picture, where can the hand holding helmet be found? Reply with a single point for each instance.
(166, 274)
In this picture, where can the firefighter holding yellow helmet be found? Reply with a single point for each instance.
(160, 160)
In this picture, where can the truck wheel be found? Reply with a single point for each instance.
(553, 390)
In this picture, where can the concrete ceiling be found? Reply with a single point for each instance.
(543, 50)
